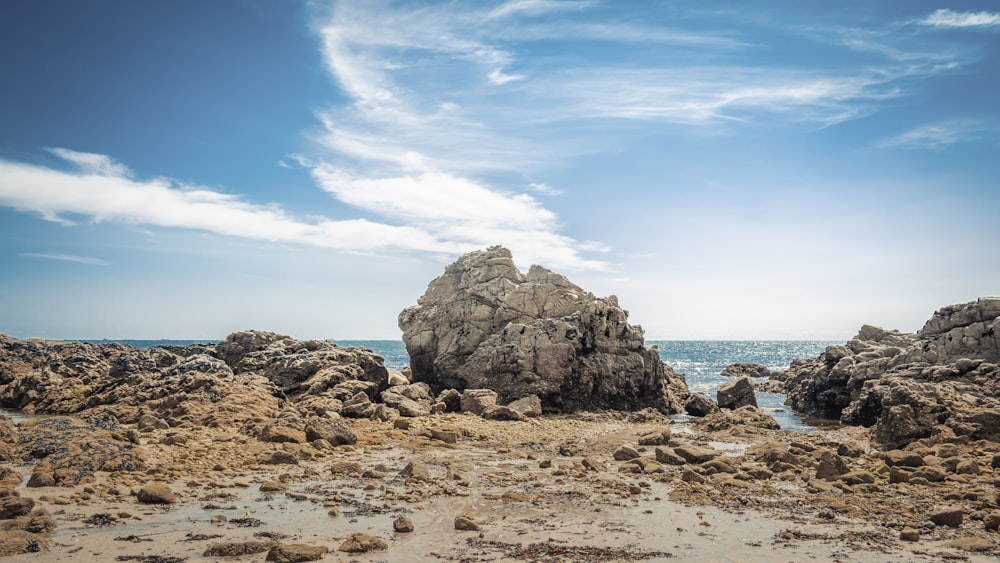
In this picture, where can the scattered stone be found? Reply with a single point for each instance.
(830, 466)
(156, 493)
(948, 516)
(689, 476)
(744, 369)
(625, 453)
(446, 436)
(295, 552)
(694, 454)
(909, 534)
(18, 542)
(667, 455)
(594, 465)
(363, 543)
(970, 544)
(465, 523)
(282, 457)
(416, 470)
(12, 507)
(337, 432)
(236, 549)
(402, 524)
(655, 438)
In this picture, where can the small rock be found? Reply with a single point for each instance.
(282, 457)
(476, 400)
(156, 493)
(626, 453)
(273, 487)
(667, 456)
(333, 511)
(499, 412)
(909, 534)
(593, 464)
(295, 552)
(416, 470)
(530, 406)
(948, 516)
(903, 458)
(361, 542)
(992, 521)
(830, 466)
(465, 523)
(236, 549)
(656, 438)
(402, 524)
(699, 405)
(12, 507)
(689, 476)
(446, 436)
(695, 454)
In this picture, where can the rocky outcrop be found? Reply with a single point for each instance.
(943, 379)
(485, 325)
(254, 380)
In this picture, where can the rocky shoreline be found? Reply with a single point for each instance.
(535, 425)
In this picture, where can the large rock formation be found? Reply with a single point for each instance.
(484, 324)
(944, 378)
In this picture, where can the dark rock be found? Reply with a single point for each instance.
(699, 405)
(530, 406)
(656, 438)
(831, 465)
(499, 412)
(736, 394)
(12, 507)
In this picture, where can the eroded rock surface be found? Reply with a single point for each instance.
(485, 325)
(943, 379)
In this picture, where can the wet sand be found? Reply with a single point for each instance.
(527, 485)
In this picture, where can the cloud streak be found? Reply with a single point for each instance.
(936, 136)
(66, 258)
(945, 18)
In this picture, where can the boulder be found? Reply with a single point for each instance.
(698, 404)
(336, 432)
(530, 406)
(476, 401)
(156, 493)
(485, 325)
(736, 394)
(360, 542)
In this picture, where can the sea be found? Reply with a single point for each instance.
(701, 362)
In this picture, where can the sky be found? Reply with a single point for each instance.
(730, 170)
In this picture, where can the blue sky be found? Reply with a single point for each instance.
(764, 170)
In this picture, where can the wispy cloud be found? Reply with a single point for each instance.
(425, 212)
(67, 258)
(946, 18)
(935, 136)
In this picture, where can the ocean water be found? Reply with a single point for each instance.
(701, 362)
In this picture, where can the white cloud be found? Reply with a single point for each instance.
(536, 7)
(429, 212)
(498, 77)
(947, 18)
(935, 136)
(67, 258)
(101, 192)
(544, 189)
